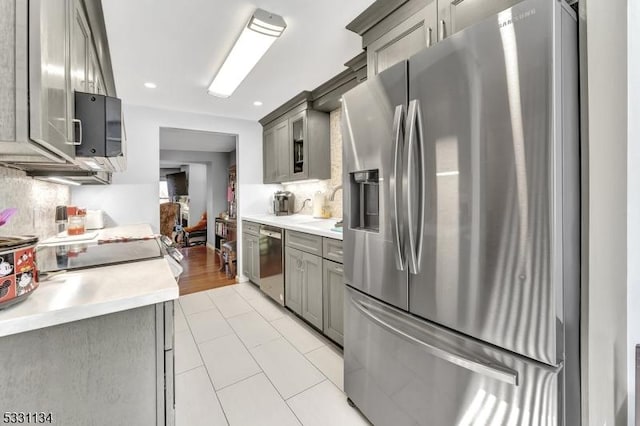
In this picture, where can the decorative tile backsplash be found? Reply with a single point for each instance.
(306, 190)
(35, 200)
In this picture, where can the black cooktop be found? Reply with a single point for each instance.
(90, 255)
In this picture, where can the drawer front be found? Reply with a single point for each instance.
(332, 249)
(305, 242)
(250, 227)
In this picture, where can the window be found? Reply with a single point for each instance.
(163, 192)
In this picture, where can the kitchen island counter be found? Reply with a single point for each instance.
(87, 293)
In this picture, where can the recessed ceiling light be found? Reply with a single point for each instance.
(257, 103)
(150, 85)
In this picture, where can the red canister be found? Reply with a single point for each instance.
(18, 270)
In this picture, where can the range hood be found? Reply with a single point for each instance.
(67, 174)
(100, 142)
(107, 164)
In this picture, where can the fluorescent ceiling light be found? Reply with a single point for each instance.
(257, 103)
(254, 41)
(150, 85)
(63, 181)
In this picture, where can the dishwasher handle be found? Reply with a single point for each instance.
(271, 234)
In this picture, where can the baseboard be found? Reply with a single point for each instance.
(241, 279)
(211, 246)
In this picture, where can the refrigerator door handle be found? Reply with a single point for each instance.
(495, 372)
(415, 134)
(395, 183)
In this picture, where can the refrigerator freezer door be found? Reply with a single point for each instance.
(372, 142)
(403, 371)
(492, 255)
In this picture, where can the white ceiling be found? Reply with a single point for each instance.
(179, 45)
(195, 140)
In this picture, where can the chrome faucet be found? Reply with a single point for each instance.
(333, 194)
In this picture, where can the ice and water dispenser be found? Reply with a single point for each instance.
(365, 200)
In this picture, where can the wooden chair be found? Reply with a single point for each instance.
(228, 258)
(168, 215)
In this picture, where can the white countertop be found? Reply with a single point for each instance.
(299, 222)
(87, 293)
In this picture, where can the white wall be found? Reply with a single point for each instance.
(605, 313)
(133, 196)
(633, 199)
(198, 192)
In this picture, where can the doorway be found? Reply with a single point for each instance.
(198, 196)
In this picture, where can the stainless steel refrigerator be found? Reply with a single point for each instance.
(461, 239)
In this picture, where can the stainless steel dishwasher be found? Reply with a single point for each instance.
(271, 273)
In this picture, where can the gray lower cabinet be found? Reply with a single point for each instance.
(333, 300)
(303, 285)
(246, 255)
(251, 257)
(255, 258)
(312, 290)
(314, 285)
(293, 279)
(114, 369)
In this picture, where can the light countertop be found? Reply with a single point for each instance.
(299, 222)
(87, 293)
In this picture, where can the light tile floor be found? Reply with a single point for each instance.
(241, 359)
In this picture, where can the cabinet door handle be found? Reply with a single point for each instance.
(443, 30)
(77, 125)
(339, 252)
(429, 35)
(340, 270)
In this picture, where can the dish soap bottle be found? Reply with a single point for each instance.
(318, 205)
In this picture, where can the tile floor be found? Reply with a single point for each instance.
(243, 360)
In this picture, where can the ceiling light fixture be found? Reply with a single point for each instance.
(257, 103)
(150, 85)
(254, 41)
(63, 181)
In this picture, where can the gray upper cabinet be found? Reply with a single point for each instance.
(275, 152)
(282, 149)
(296, 143)
(456, 15)
(49, 75)
(49, 51)
(394, 30)
(407, 38)
(269, 150)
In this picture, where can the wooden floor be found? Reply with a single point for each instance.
(201, 271)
